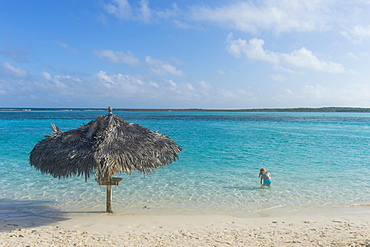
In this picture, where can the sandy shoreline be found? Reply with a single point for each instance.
(326, 227)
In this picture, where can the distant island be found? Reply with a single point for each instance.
(9, 109)
(300, 109)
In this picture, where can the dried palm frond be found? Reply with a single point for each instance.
(106, 145)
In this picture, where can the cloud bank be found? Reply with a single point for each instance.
(301, 58)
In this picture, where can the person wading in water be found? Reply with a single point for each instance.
(265, 177)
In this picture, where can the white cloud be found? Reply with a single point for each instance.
(168, 13)
(247, 16)
(119, 8)
(62, 85)
(123, 10)
(357, 55)
(314, 91)
(182, 25)
(277, 77)
(136, 91)
(116, 57)
(172, 83)
(66, 47)
(301, 58)
(14, 71)
(190, 87)
(204, 85)
(304, 58)
(361, 31)
(276, 15)
(162, 68)
(358, 33)
(145, 11)
(153, 84)
(316, 95)
(253, 49)
(46, 75)
(115, 85)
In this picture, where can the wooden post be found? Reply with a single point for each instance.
(109, 183)
(109, 199)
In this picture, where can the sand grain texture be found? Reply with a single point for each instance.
(351, 229)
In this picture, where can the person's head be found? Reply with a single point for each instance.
(262, 171)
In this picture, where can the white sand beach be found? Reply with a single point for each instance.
(324, 227)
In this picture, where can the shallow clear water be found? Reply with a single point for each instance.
(316, 160)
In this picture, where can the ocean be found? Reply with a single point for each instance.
(317, 160)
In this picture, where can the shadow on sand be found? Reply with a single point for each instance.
(15, 214)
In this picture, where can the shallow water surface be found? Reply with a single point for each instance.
(316, 160)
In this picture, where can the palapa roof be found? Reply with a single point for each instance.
(105, 146)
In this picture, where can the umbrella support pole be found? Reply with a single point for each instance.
(109, 183)
(109, 199)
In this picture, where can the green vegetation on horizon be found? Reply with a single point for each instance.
(300, 109)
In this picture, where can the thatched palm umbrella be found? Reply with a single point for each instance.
(105, 146)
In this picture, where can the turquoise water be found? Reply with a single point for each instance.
(316, 160)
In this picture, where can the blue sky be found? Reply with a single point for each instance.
(184, 54)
